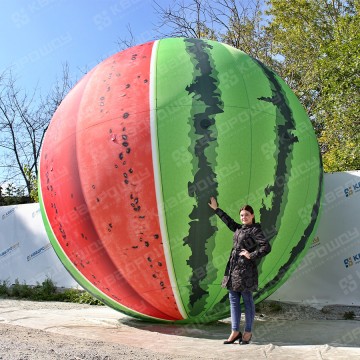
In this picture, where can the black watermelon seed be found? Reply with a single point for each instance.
(161, 283)
(125, 143)
(154, 276)
(125, 115)
(93, 186)
(147, 244)
(156, 236)
(149, 259)
(126, 181)
(131, 171)
(128, 150)
(127, 86)
(124, 137)
(125, 175)
(159, 263)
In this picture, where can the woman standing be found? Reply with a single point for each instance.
(241, 274)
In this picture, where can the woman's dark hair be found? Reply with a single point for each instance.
(250, 210)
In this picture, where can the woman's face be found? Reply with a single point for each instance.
(246, 217)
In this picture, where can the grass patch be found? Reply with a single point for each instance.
(268, 307)
(46, 291)
(4, 288)
(275, 307)
(325, 310)
(349, 315)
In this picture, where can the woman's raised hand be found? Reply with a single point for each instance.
(213, 203)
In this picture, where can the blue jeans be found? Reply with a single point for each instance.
(235, 309)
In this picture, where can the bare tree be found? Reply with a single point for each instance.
(125, 43)
(185, 18)
(24, 119)
(240, 24)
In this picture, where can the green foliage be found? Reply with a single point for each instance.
(349, 315)
(86, 298)
(4, 288)
(339, 73)
(33, 183)
(20, 290)
(269, 307)
(81, 297)
(11, 195)
(319, 44)
(245, 31)
(46, 291)
(275, 307)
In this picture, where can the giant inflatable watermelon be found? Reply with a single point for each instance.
(136, 149)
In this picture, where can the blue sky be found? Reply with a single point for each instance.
(38, 36)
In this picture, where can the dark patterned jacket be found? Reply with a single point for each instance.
(241, 273)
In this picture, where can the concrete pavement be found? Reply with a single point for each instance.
(280, 339)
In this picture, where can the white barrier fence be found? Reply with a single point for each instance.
(328, 274)
(25, 250)
(330, 271)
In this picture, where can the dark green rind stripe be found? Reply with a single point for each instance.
(270, 217)
(297, 250)
(285, 139)
(207, 103)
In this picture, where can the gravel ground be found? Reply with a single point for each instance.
(21, 343)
